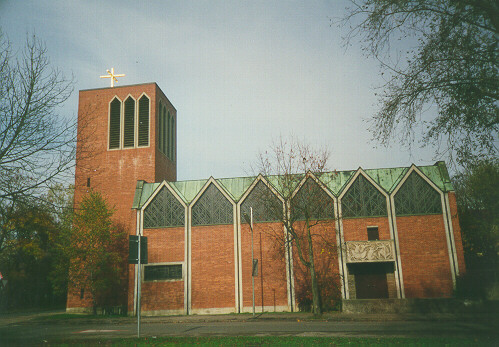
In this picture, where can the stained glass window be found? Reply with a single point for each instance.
(164, 211)
(363, 200)
(212, 208)
(416, 196)
(313, 202)
(266, 205)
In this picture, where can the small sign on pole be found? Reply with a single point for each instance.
(133, 254)
(255, 268)
(137, 254)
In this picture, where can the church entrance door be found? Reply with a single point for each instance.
(371, 281)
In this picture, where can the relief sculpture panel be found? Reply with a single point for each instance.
(370, 251)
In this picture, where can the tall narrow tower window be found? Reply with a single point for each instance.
(167, 134)
(172, 155)
(160, 126)
(129, 124)
(143, 133)
(114, 123)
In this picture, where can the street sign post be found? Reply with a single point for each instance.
(138, 255)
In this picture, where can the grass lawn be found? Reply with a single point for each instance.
(276, 341)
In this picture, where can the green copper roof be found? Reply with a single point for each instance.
(143, 191)
(387, 178)
(236, 187)
(335, 181)
(188, 189)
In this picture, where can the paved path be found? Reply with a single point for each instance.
(33, 330)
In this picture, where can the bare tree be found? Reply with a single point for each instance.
(37, 146)
(294, 169)
(440, 58)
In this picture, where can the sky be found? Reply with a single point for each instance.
(239, 73)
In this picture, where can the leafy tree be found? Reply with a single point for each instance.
(477, 191)
(446, 56)
(28, 254)
(37, 147)
(97, 251)
(307, 211)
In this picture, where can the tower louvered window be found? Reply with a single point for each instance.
(266, 205)
(363, 200)
(166, 124)
(114, 124)
(212, 208)
(129, 123)
(164, 211)
(312, 202)
(172, 146)
(161, 134)
(143, 133)
(416, 196)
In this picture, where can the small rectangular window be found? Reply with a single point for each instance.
(88, 181)
(372, 233)
(162, 272)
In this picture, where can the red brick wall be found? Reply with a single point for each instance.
(164, 245)
(424, 256)
(162, 295)
(274, 265)
(213, 267)
(355, 229)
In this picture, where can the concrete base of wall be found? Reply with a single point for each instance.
(115, 310)
(416, 306)
(161, 313)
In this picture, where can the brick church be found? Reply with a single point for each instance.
(393, 232)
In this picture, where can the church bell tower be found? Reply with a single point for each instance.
(125, 134)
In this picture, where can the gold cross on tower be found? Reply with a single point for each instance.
(112, 76)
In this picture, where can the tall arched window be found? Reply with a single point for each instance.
(363, 200)
(114, 123)
(212, 208)
(416, 196)
(129, 123)
(143, 133)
